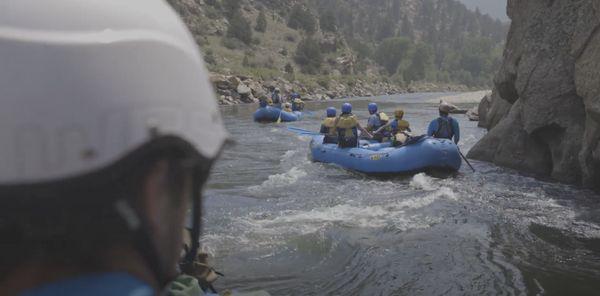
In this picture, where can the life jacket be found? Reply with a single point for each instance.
(444, 130)
(399, 131)
(399, 126)
(328, 127)
(346, 126)
(387, 131)
(287, 109)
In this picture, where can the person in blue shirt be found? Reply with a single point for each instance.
(96, 193)
(376, 121)
(444, 127)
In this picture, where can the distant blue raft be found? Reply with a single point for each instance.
(426, 154)
(271, 114)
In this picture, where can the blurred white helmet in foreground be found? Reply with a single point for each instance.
(85, 82)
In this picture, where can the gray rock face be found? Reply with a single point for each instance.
(544, 116)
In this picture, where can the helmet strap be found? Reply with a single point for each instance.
(192, 252)
(143, 242)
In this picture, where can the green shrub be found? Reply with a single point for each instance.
(308, 55)
(327, 22)
(232, 43)
(302, 19)
(239, 28)
(324, 81)
(391, 52)
(261, 22)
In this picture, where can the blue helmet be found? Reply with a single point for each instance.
(346, 108)
(372, 108)
(331, 112)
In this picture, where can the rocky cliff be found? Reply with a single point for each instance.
(544, 116)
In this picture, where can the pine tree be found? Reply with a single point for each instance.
(421, 64)
(261, 22)
(302, 19)
(231, 7)
(309, 56)
(327, 22)
(391, 52)
(239, 28)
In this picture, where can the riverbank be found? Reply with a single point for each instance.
(240, 89)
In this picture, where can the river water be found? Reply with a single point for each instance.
(276, 221)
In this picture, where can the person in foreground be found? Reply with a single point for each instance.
(444, 127)
(328, 127)
(347, 126)
(109, 130)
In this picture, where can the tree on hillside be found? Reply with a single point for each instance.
(231, 7)
(302, 19)
(327, 21)
(239, 28)
(385, 28)
(391, 52)
(421, 63)
(308, 55)
(362, 50)
(211, 2)
(406, 30)
(261, 22)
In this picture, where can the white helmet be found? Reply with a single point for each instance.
(85, 82)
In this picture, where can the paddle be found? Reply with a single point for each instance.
(466, 160)
(302, 132)
(279, 119)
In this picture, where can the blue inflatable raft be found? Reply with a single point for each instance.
(424, 155)
(271, 114)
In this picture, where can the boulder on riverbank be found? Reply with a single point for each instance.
(544, 114)
(237, 89)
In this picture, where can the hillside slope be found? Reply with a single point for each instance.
(329, 48)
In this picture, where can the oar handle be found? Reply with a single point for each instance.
(466, 160)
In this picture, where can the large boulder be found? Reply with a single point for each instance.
(473, 114)
(544, 115)
(220, 81)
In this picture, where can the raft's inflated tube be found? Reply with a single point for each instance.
(426, 154)
(271, 114)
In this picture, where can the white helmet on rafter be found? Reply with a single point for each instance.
(83, 83)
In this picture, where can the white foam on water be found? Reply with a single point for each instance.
(288, 155)
(421, 202)
(301, 222)
(422, 182)
(280, 180)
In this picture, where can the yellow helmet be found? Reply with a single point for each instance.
(399, 113)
